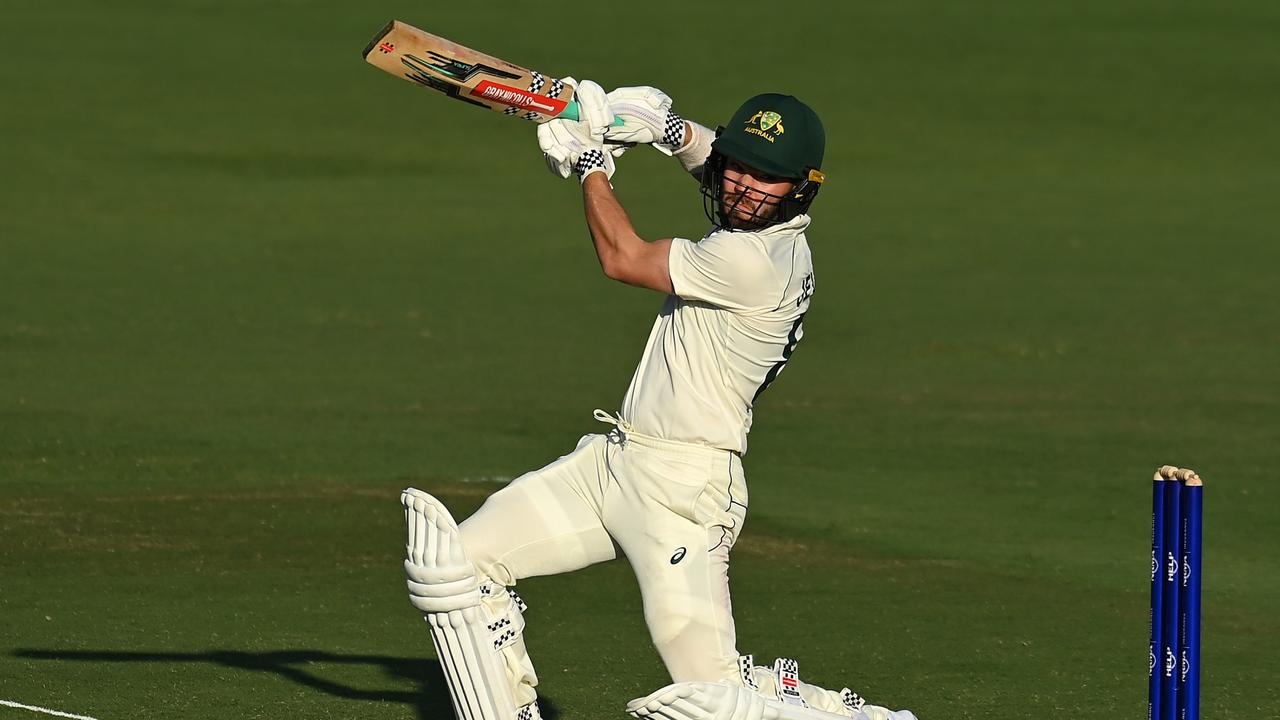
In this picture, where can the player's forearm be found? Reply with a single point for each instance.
(612, 233)
(624, 256)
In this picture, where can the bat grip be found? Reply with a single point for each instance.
(570, 112)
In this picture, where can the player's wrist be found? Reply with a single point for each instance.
(590, 162)
(674, 132)
(595, 181)
(696, 148)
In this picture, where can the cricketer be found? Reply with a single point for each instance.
(665, 483)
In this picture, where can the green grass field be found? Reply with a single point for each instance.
(250, 288)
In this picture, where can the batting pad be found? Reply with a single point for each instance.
(782, 683)
(443, 585)
(720, 701)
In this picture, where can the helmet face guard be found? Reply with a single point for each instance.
(724, 209)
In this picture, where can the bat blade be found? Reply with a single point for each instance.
(469, 75)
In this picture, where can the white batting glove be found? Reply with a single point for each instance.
(568, 150)
(570, 147)
(593, 107)
(648, 120)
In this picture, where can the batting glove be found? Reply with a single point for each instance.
(570, 147)
(647, 119)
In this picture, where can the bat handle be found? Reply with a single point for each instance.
(570, 112)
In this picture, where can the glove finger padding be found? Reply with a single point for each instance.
(555, 156)
(558, 145)
(570, 147)
(593, 108)
(643, 111)
(647, 119)
(646, 95)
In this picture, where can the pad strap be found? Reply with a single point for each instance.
(489, 589)
(746, 666)
(788, 674)
(507, 627)
(852, 700)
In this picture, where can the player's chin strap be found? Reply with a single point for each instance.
(476, 625)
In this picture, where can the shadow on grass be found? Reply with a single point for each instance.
(430, 700)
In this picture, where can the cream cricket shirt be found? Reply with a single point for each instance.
(735, 318)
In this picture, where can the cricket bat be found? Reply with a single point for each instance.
(469, 75)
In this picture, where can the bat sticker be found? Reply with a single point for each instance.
(419, 75)
(462, 72)
(515, 97)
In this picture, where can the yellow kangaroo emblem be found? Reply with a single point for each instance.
(768, 120)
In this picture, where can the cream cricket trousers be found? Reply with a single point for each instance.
(675, 510)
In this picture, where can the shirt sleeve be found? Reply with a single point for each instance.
(729, 270)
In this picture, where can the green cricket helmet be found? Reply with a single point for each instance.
(778, 135)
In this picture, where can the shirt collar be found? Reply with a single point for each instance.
(796, 224)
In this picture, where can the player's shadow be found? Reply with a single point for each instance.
(430, 700)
